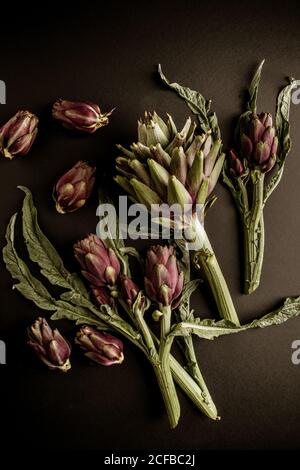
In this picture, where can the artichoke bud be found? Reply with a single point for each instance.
(49, 345)
(73, 189)
(80, 116)
(177, 194)
(156, 315)
(99, 346)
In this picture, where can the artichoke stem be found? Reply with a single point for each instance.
(206, 261)
(254, 241)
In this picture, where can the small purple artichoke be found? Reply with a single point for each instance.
(258, 141)
(163, 281)
(102, 296)
(100, 265)
(101, 347)
(73, 189)
(236, 166)
(49, 345)
(18, 134)
(80, 116)
(129, 290)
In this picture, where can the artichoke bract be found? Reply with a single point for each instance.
(73, 189)
(163, 281)
(103, 296)
(129, 290)
(18, 134)
(167, 165)
(84, 117)
(100, 265)
(258, 144)
(101, 347)
(49, 345)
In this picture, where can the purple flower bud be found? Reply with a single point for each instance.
(73, 189)
(129, 290)
(49, 345)
(163, 281)
(100, 265)
(101, 347)
(18, 134)
(80, 116)
(102, 296)
(258, 142)
(236, 166)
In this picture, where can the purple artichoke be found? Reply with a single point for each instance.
(18, 134)
(101, 347)
(258, 142)
(49, 345)
(80, 116)
(102, 296)
(100, 265)
(163, 281)
(73, 189)
(129, 290)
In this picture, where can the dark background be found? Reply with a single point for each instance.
(109, 54)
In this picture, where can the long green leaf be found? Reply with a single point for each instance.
(253, 89)
(197, 103)
(28, 285)
(32, 289)
(42, 252)
(210, 329)
(283, 133)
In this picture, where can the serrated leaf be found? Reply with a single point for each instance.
(80, 315)
(197, 103)
(282, 121)
(42, 252)
(283, 133)
(253, 89)
(210, 329)
(28, 285)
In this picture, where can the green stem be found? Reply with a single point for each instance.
(163, 370)
(194, 369)
(181, 377)
(254, 238)
(205, 260)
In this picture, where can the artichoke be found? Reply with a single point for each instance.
(169, 166)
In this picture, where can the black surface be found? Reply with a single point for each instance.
(109, 54)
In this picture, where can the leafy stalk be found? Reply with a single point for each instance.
(210, 329)
(70, 305)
